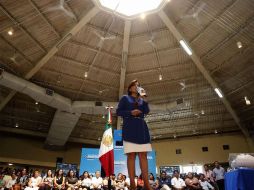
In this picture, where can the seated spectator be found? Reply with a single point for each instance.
(47, 181)
(136, 180)
(105, 183)
(119, 184)
(192, 182)
(97, 181)
(164, 181)
(205, 184)
(6, 177)
(10, 184)
(140, 182)
(71, 181)
(86, 182)
(23, 179)
(34, 181)
(153, 183)
(1, 181)
(59, 180)
(177, 182)
(127, 183)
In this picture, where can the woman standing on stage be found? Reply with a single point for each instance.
(136, 138)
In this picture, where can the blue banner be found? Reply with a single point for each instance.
(90, 161)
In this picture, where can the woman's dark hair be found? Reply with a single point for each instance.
(84, 174)
(151, 174)
(133, 83)
(57, 172)
(48, 173)
(69, 173)
(35, 172)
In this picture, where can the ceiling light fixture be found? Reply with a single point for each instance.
(143, 16)
(17, 125)
(218, 91)
(215, 131)
(186, 47)
(160, 76)
(86, 74)
(247, 101)
(10, 32)
(36, 103)
(202, 112)
(239, 45)
(10, 164)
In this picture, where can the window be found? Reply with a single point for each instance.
(178, 151)
(130, 7)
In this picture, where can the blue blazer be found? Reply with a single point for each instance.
(135, 129)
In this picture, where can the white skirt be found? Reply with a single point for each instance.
(133, 147)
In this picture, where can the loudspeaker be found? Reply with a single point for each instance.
(178, 151)
(225, 147)
(98, 103)
(59, 160)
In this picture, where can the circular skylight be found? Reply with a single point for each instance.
(130, 8)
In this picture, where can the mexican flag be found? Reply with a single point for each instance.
(106, 153)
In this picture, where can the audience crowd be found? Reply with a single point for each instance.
(23, 180)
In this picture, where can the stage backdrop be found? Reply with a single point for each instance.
(90, 161)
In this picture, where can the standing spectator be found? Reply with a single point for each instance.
(205, 184)
(97, 181)
(34, 181)
(209, 176)
(71, 181)
(177, 182)
(86, 181)
(192, 182)
(47, 181)
(164, 181)
(59, 180)
(218, 173)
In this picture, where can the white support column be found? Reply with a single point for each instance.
(54, 50)
(126, 40)
(203, 70)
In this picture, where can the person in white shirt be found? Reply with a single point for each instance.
(10, 183)
(177, 182)
(127, 182)
(218, 173)
(97, 181)
(205, 184)
(34, 181)
(86, 182)
(120, 182)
